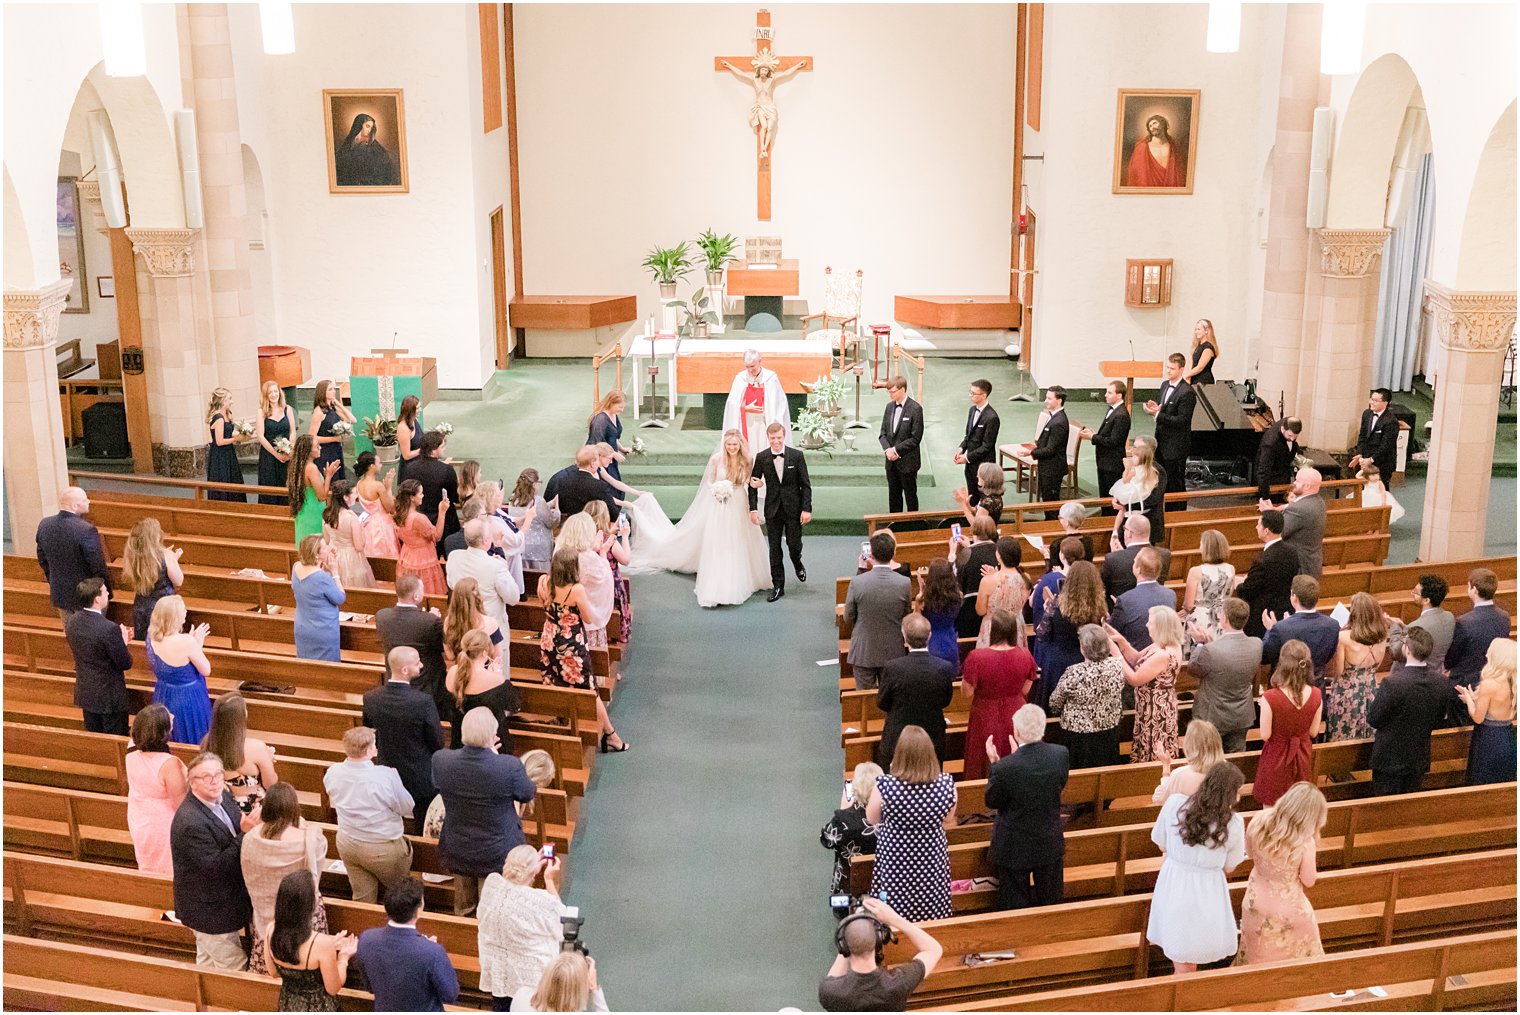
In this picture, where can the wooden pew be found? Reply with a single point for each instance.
(188, 518)
(86, 902)
(1103, 940)
(1471, 972)
(1122, 858)
(272, 558)
(196, 490)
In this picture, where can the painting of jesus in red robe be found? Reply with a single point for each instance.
(1156, 137)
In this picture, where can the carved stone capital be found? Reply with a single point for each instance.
(89, 202)
(1350, 253)
(1470, 321)
(31, 315)
(166, 253)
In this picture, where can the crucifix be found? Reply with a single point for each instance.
(762, 72)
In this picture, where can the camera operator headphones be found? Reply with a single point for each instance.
(883, 933)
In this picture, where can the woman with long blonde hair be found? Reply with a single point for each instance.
(277, 421)
(1276, 919)
(1205, 353)
(619, 554)
(604, 427)
(569, 984)
(719, 537)
(180, 669)
(1491, 758)
(150, 569)
(1152, 672)
(1203, 749)
(464, 613)
(1142, 489)
(221, 454)
(476, 679)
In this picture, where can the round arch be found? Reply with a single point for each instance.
(149, 159)
(1367, 141)
(1486, 256)
(20, 272)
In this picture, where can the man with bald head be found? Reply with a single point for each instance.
(1304, 520)
(70, 550)
(405, 721)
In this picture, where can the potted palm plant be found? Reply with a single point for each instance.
(698, 310)
(717, 251)
(668, 265)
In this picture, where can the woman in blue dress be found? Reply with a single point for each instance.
(939, 599)
(605, 427)
(180, 668)
(327, 411)
(318, 595)
(1491, 707)
(221, 456)
(277, 421)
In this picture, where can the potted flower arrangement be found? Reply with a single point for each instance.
(814, 428)
(717, 251)
(698, 310)
(668, 265)
(381, 432)
(828, 394)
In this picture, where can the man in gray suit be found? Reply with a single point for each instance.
(1304, 520)
(1226, 670)
(1118, 564)
(1133, 609)
(875, 606)
(1430, 593)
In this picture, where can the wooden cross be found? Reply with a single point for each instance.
(763, 71)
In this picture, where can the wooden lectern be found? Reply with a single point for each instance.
(379, 382)
(1129, 370)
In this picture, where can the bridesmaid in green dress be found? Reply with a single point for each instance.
(306, 485)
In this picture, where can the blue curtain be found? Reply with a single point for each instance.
(1401, 291)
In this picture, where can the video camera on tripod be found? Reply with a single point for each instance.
(570, 932)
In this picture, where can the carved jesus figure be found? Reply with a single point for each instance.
(763, 115)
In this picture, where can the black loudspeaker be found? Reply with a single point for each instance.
(105, 431)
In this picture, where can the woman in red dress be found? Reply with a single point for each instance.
(996, 679)
(1290, 714)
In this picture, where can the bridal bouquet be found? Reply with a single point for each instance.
(342, 428)
(282, 445)
(445, 428)
(244, 428)
(722, 489)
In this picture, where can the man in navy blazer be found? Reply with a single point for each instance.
(406, 969)
(69, 550)
(1406, 709)
(1475, 629)
(405, 721)
(1133, 609)
(1268, 585)
(101, 660)
(479, 787)
(206, 841)
(1306, 624)
(1024, 788)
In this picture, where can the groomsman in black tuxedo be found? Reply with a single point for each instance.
(1274, 459)
(1110, 440)
(1378, 441)
(782, 472)
(1050, 447)
(980, 444)
(902, 430)
(1174, 425)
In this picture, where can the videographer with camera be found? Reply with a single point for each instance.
(857, 981)
(520, 926)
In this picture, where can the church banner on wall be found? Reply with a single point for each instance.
(71, 247)
(1156, 145)
(366, 141)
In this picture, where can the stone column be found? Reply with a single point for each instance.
(1474, 329)
(225, 236)
(36, 470)
(1300, 86)
(1346, 316)
(171, 353)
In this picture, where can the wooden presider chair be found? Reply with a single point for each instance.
(1023, 466)
(841, 308)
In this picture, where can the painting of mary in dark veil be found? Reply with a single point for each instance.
(368, 150)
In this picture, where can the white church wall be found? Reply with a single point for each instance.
(492, 190)
(354, 270)
(1085, 232)
(893, 155)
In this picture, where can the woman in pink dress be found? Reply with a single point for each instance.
(379, 531)
(155, 788)
(578, 533)
(419, 546)
(1276, 919)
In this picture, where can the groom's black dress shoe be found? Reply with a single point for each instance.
(775, 595)
(801, 573)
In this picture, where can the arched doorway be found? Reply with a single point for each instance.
(260, 251)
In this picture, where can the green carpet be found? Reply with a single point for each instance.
(696, 861)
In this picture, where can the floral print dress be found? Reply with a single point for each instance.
(1155, 713)
(563, 650)
(622, 595)
(1347, 699)
(1010, 593)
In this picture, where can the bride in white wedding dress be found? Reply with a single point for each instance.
(715, 538)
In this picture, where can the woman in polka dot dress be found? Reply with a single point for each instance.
(910, 808)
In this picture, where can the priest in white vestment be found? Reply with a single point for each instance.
(755, 401)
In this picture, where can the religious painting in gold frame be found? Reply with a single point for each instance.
(1156, 141)
(366, 141)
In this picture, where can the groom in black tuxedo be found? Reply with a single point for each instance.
(782, 471)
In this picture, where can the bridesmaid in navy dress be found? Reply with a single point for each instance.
(276, 420)
(328, 409)
(408, 435)
(606, 428)
(221, 457)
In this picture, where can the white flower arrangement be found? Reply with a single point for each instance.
(444, 428)
(282, 445)
(244, 428)
(342, 428)
(722, 490)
